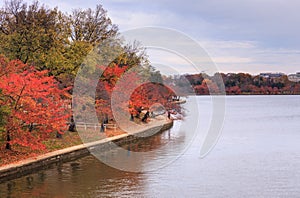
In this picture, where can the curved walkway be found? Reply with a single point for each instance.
(30, 165)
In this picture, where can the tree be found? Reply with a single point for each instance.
(91, 26)
(51, 40)
(37, 107)
(4, 111)
(133, 55)
(141, 95)
(235, 90)
(31, 32)
(106, 84)
(151, 93)
(201, 89)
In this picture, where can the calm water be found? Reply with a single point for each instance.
(257, 155)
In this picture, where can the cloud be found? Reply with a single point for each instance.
(232, 56)
(270, 22)
(248, 35)
(231, 59)
(248, 56)
(130, 20)
(225, 45)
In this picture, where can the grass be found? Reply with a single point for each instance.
(68, 139)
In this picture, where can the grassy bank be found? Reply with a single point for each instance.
(68, 139)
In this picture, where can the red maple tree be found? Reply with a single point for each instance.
(37, 107)
(143, 95)
(152, 93)
(106, 84)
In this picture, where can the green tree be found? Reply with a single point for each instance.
(49, 39)
(30, 33)
(61, 42)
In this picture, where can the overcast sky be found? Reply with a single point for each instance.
(240, 35)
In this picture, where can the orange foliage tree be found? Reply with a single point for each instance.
(106, 84)
(37, 107)
(151, 93)
(144, 95)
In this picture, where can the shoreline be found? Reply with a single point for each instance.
(44, 161)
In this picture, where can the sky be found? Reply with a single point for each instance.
(251, 36)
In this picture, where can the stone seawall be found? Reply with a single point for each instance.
(47, 160)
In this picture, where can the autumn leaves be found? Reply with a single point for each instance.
(44, 49)
(37, 106)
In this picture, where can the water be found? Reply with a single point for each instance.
(257, 155)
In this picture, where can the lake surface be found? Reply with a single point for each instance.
(257, 155)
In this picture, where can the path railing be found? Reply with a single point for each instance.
(95, 126)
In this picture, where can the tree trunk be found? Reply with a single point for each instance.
(8, 146)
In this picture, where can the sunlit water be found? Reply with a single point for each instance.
(257, 155)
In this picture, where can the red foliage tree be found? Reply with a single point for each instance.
(297, 88)
(37, 106)
(143, 95)
(235, 90)
(201, 89)
(106, 84)
(150, 93)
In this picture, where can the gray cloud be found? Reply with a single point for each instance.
(272, 22)
(241, 35)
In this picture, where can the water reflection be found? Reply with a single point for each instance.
(256, 156)
(86, 176)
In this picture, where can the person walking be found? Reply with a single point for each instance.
(144, 119)
(102, 127)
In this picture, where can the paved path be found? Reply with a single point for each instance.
(25, 166)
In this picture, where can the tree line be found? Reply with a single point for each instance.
(241, 84)
(42, 50)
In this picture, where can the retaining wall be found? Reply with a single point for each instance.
(47, 160)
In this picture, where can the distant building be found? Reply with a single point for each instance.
(230, 74)
(271, 75)
(294, 77)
